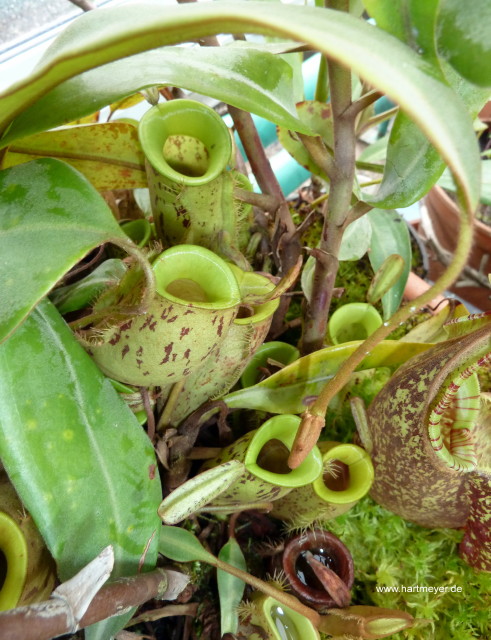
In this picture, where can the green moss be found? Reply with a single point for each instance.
(354, 276)
(390, 552)
(340, 425)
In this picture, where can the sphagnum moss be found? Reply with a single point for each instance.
(391, 552)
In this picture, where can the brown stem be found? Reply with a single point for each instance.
(260, 166)
(231, 524)
(358, 210)
(362, 103)
(286, 244)
(149, 411)
(282, 597)
(187, 433)
(203, 453)
(319, 152)
(42, 621)
(263, 201)
(338, 204)
(171, 610)
(316, 412)
(85, 5)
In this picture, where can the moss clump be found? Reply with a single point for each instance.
(354, 276)
(340, 425)
(390, 552)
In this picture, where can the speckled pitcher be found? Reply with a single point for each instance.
(347, 477)
(189, 151)
(265, 481)
(196, 301)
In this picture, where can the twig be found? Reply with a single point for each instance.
(263, 201)
(341, 172)
(374, 120)
(85, 5)
(357, 106)
(358, 210)
(43, 621)
(203, 453)
(189, 609)
(164, 419)
(149, 411)
(260, 166)
(187, 433)
(320, 153)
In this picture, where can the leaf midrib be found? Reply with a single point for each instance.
(77, 156)
(95, 447)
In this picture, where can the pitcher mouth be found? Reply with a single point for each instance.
(185, 141)
(282, 428)
(348, 474)
(13, 549)
(451, 421)
(285, 623)
(197, 277)
(326, 548)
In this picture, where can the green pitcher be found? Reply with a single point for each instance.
(189, 150)
(196, 301)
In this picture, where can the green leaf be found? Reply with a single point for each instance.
(199, 491)
(385, 277)
(100, 37)
(411, 21)
(375, 153)
(80, 294)
(230, 588)
(109, 154)
(295, 61)
(182, 546)
(50, 217)
(82, 465)
(412, 167)
(390, 235)
(356, 239)
(256, 81)
(317, 115)
(463, 38)
(432, 329)
(293, 388)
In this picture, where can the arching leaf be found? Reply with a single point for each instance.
(103, 36)
(50, 218)
(75, 453)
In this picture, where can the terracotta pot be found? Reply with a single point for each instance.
(485, 113)
(443, 215)
(416, 286)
